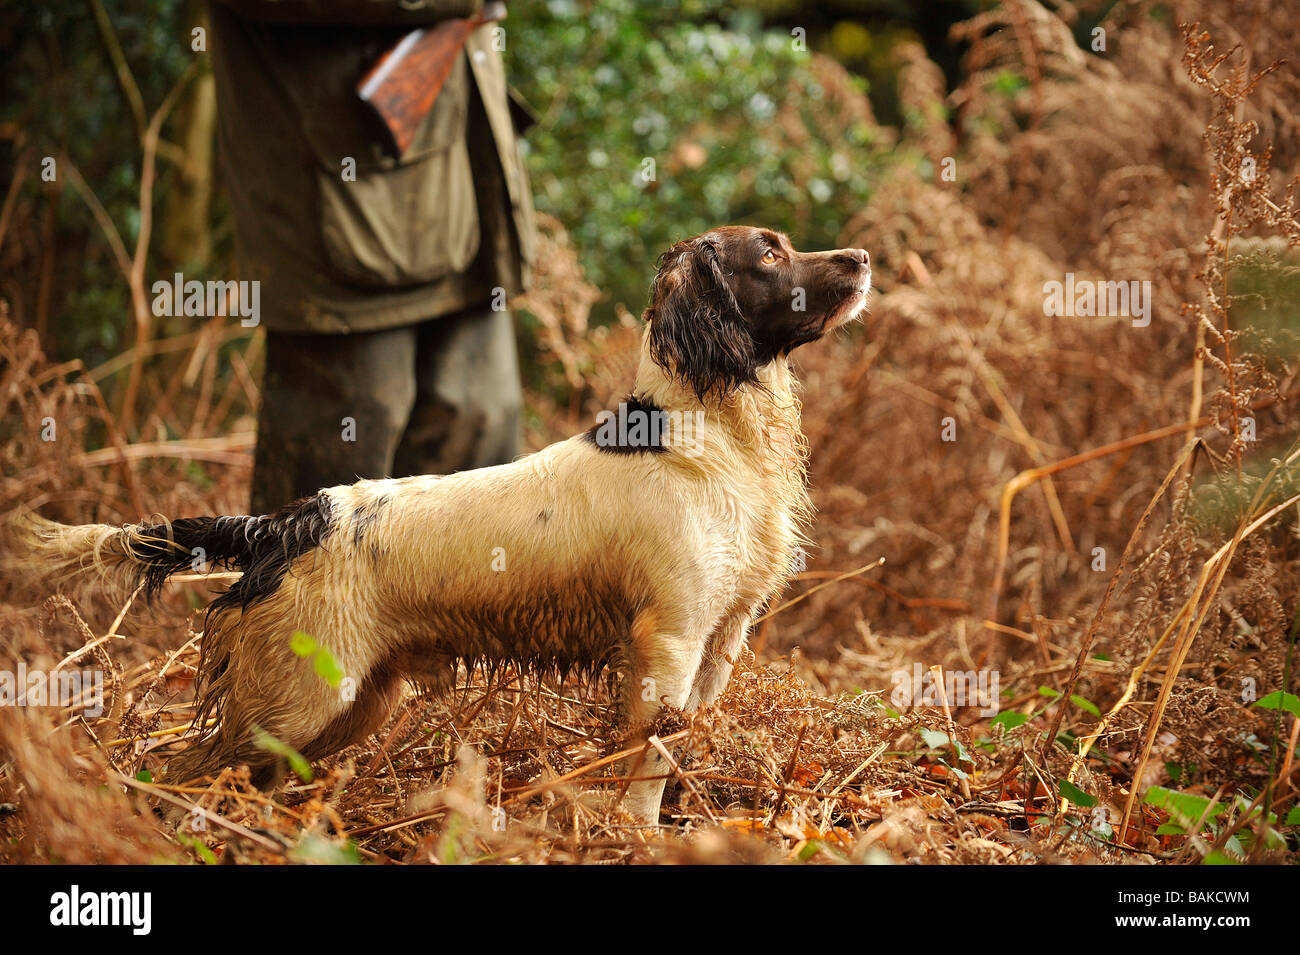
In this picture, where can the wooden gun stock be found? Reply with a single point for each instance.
(403, 85)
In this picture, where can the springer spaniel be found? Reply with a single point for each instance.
(648, 544)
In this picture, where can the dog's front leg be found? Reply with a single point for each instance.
(720, 655)
(661, 672)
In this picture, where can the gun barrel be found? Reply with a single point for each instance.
(403, 85)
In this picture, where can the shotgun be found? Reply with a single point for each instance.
(402, 86)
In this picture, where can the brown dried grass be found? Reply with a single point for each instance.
(1113, 167)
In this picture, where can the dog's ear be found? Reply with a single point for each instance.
(697, 330)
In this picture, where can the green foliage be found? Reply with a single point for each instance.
(812, 848)
(315, 849)
(621, 85)
(937, 740)
(1262, 280)
(1187, 809)
(933, 739)
(1001, 725)
(1278, 700)
(60, 88)
(1218, 858)
(1084, 704)
(1009, 719)
(200, 848)
(1008, 83)
(1076, 795)
(322, 660)
(1184, 808)
(297, 762)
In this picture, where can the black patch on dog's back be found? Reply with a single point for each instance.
(622, 433)
(261, 547)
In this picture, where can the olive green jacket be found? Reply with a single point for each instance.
(343, 236)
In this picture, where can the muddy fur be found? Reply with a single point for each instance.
(581, 557)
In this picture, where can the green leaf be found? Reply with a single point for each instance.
(327, 668)
(1076, 795)
(1048, 692)
(1086, 705)
(1293, 817)
(144, 776)
(1170, 829)
(1277, 700)
(934, 739)
(1185, 808)
(297, 762)
(301, 644)
(962, 755)
(1218, 858)
(1008, 83)
(317, 850)
(1010, 719)
(200, 848)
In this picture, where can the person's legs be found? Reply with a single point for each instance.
(469, 401)
(333, 410)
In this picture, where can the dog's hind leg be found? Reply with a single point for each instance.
(379, 692)
(257, 684)
(374, 702)
(230, 746)
(301, 711)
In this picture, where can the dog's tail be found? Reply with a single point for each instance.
(128, 556)
(133, 554)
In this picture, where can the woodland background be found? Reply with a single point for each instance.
(1113, 531)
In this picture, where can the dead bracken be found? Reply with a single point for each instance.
(1112, 529)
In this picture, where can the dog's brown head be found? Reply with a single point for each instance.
(726, 303)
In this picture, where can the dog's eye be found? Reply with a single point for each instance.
(769, 258)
